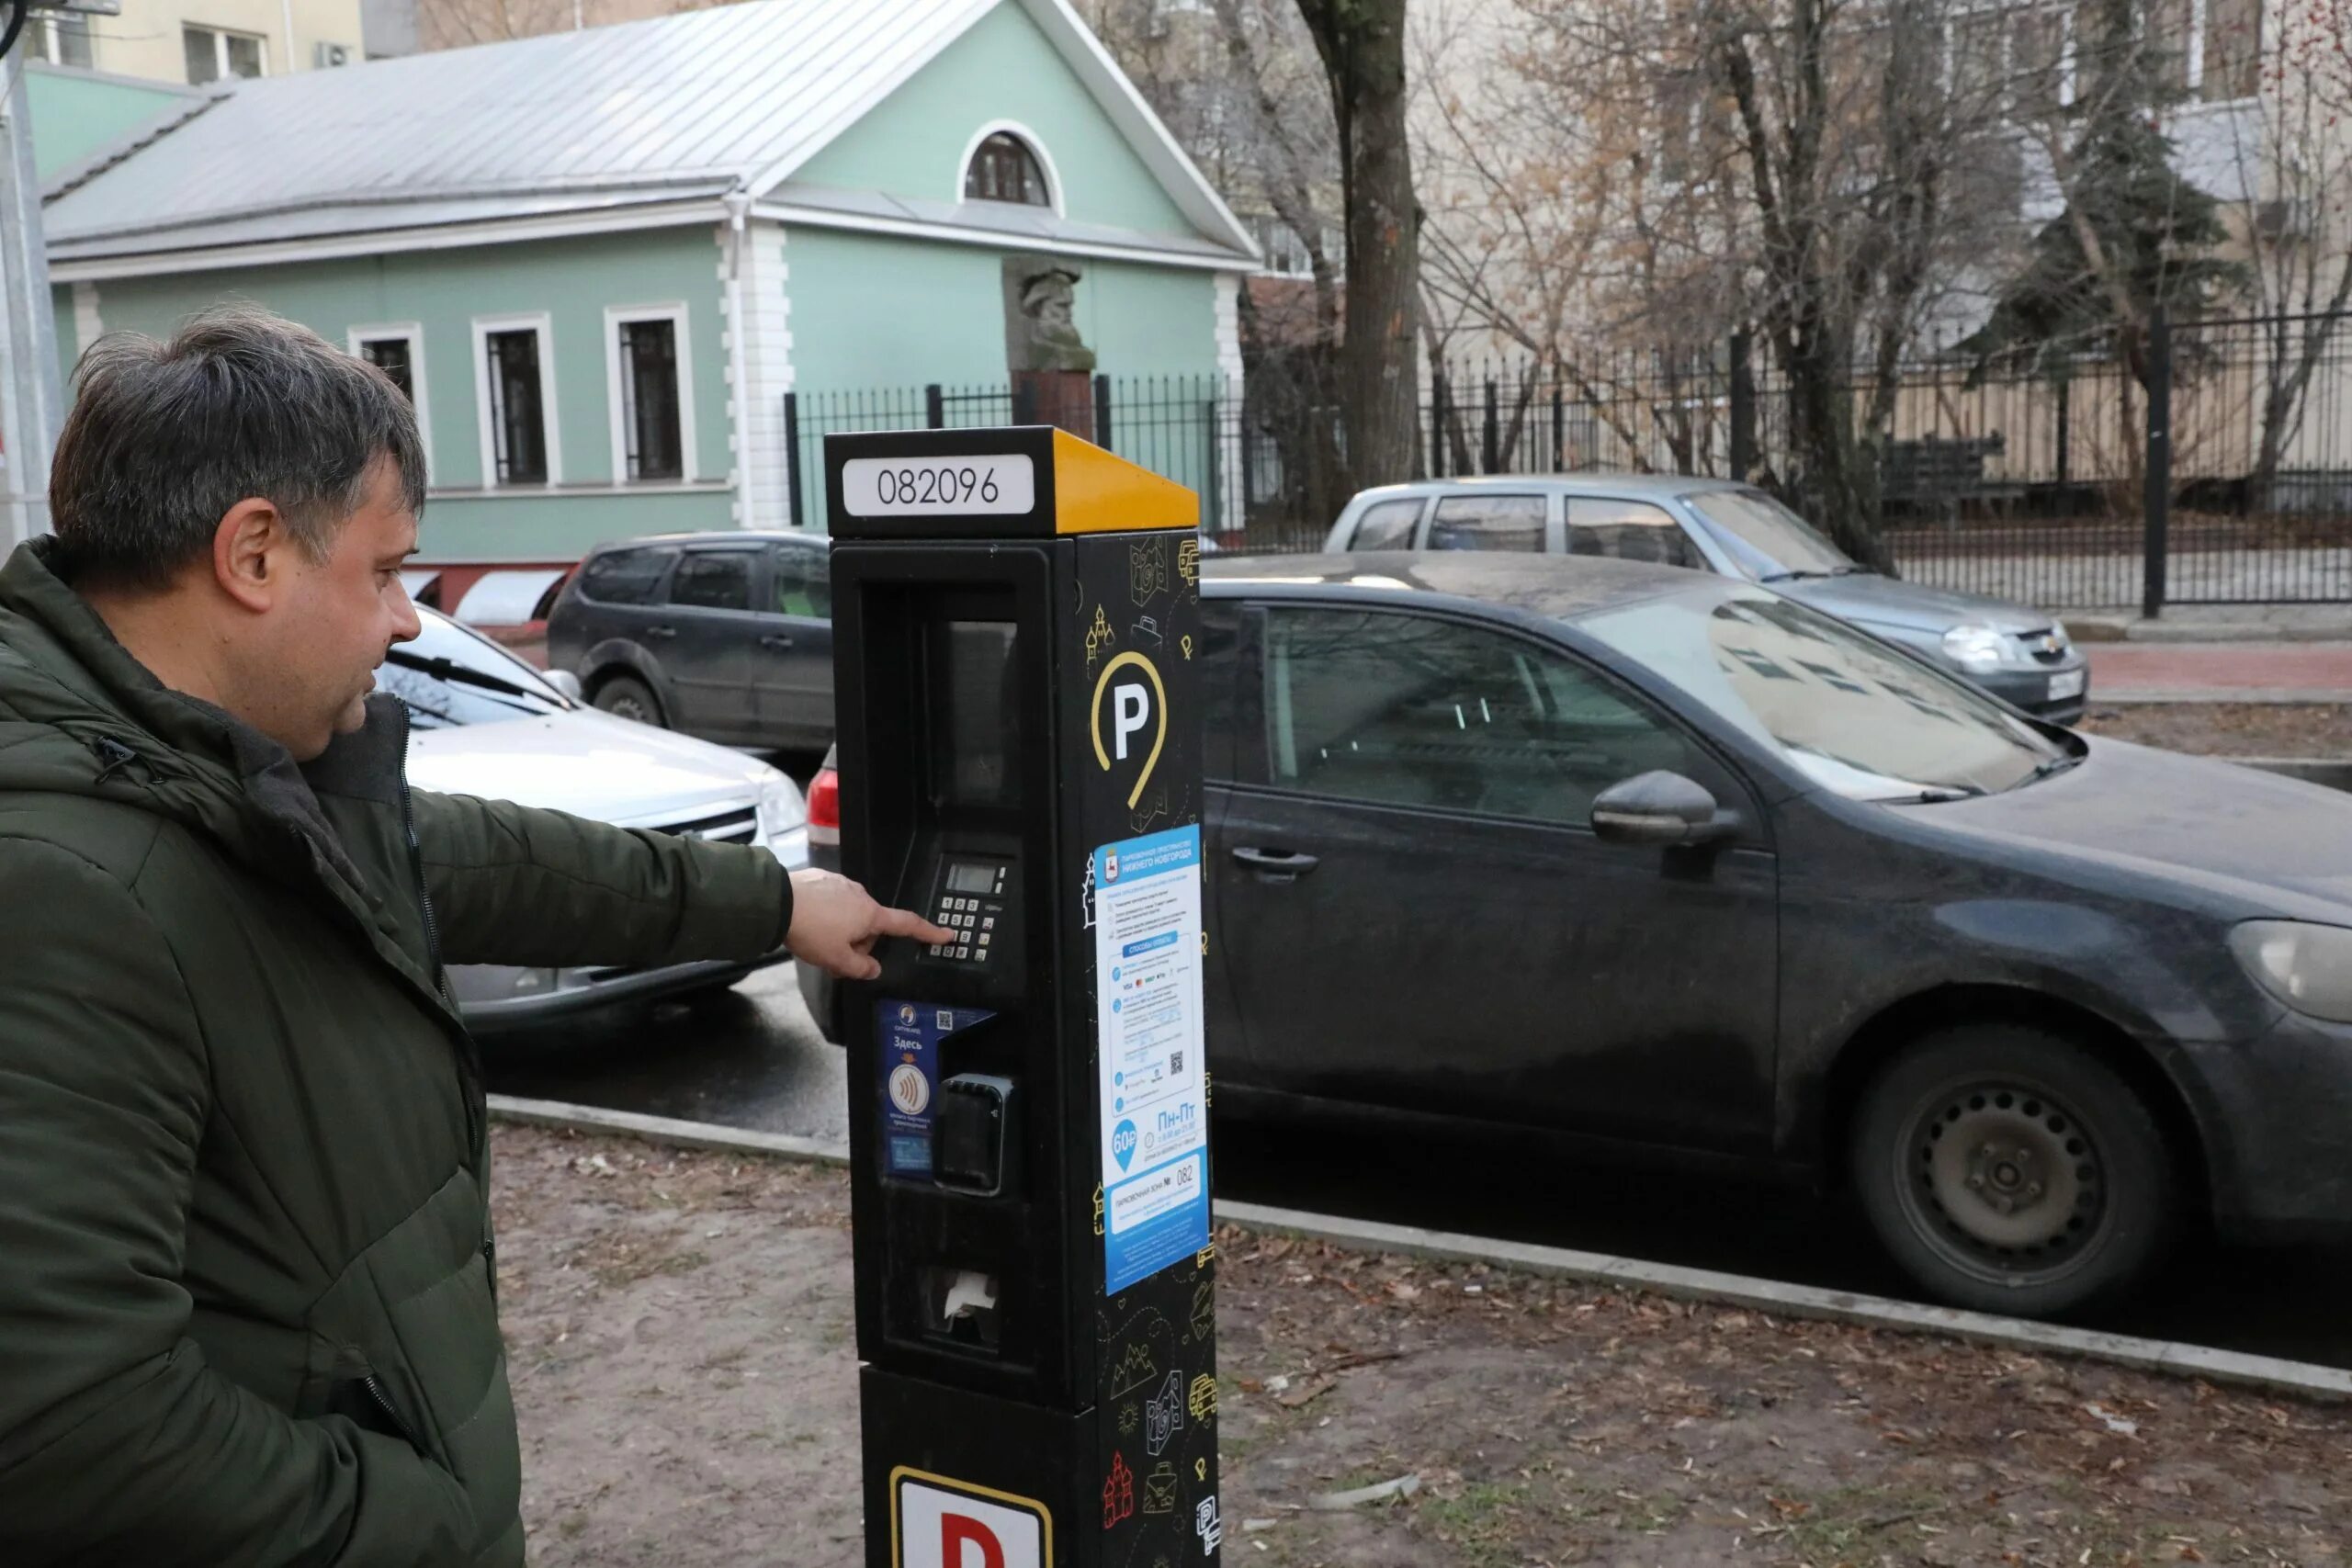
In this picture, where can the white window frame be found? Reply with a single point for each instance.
(617, 317)
(550, 423)
(412, 335)
(220, 36)
(1030, 140)
(45, 35)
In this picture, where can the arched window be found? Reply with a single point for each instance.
(1004, 169)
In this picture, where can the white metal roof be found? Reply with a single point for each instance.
(736, 97)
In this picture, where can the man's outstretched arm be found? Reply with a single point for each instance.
(513, 885)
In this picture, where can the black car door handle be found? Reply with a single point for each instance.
(1282, 862)
(777, 640)
(660, 631)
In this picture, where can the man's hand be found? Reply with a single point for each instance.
(835, 923)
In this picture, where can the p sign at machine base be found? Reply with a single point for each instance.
(939, 1523)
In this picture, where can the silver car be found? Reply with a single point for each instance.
(484, 722)
(2019, 654)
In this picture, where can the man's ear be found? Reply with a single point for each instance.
(249, 551)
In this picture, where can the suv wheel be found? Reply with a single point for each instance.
(624, 697)
(2008, 1169)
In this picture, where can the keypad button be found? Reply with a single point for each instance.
(988, 922)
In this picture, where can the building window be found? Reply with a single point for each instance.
(392, 357)
(648, 372)
(650, 446)
(1004, 169)
(519, 438)
(60, 39)
(214, 55)
(2233, 49)
(398, 350)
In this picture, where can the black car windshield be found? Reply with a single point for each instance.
(450, 676)
(1854, 716)
(1769, 542)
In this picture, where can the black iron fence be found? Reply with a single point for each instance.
(2210, 463)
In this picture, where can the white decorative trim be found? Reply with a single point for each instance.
(1229, 325)
(89, 326)
(1027, 138)
(689, 455)
(764, 354)
(1225, 306)
(992, 239)
(550, 421)
(412, 334)
(384, 241)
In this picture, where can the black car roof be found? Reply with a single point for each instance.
(707, 536)
(1561, 588)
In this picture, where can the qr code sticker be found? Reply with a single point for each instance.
(1176, 1061)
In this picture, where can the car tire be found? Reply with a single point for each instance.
(625, 696)
(2008, 1169)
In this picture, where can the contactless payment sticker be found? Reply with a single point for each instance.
(908, 1063)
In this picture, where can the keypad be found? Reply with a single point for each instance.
(972, 918)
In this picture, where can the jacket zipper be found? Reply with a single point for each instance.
(383, 1402)
(477, 1113)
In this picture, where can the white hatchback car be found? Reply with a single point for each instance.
(484, 722)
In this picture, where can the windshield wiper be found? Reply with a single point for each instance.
(1934, 796)
(2049, 768)
(465, 675)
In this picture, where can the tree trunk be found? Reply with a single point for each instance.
(1362, 47)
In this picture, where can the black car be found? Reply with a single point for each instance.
(727, 636)
(1668, 862)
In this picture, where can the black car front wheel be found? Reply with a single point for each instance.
(625, 698)
(2008, 1169)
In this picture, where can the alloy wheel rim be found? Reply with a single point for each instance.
(2005, 1182)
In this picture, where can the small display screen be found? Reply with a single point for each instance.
(974, 737)
(970, 876)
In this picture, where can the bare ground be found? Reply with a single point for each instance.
(2231, 729)
(683, 1363)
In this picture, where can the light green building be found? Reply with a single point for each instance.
(603, 259)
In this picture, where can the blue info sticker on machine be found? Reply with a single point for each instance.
(1148, 1024)
(908, 1066)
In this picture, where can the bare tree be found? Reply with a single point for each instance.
(1361, 43)
(2294, 168)
(1639, 173)
(1241, 87)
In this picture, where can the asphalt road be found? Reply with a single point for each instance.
(753, 1058)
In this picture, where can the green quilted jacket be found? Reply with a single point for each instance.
(248, 1307)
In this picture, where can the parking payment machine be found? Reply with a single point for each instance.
(1017, 634)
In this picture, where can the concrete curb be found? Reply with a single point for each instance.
(2266, 1374)
(2262, 696)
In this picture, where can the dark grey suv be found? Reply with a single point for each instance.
(729, 636)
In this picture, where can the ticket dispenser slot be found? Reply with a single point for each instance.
(1016, 618)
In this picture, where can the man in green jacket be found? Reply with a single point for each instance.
(247, 1287)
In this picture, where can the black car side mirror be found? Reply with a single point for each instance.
(1660, 809)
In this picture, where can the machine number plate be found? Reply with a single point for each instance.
(2069, 685)
(939, 487)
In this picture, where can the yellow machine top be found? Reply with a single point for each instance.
(1009, 481)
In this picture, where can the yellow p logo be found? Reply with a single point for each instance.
(1133, 706)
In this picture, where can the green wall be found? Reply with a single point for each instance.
(572, 281)
(1004, 68)
(879, 310)
(76, 114)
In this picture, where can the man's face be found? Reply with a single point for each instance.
(338, 618)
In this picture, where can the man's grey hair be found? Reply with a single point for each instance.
(164, 437)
